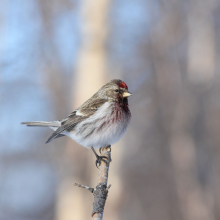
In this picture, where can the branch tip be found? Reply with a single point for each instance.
(84, 187)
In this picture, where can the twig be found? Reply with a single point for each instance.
(100, 192)
(84, 187)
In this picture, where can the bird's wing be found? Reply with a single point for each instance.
(80, 114)
(90, 107)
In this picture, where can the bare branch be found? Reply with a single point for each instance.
(100, 192)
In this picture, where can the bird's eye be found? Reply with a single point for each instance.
(116, 90)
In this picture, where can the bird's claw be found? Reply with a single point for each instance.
(99, 159)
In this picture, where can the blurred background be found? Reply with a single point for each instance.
(54, 54)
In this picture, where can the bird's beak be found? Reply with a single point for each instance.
(126, 94)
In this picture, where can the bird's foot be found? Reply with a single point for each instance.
(108, 148)
(99, 158)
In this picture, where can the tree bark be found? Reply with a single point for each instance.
(90, 75)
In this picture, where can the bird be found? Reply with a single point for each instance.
(99, 122)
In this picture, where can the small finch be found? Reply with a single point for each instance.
(99, 122)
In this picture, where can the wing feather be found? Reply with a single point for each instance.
(86, 110)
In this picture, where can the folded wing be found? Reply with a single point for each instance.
(80, 114)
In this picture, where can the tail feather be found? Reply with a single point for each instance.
(43, 123)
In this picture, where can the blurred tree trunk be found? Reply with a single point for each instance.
(212, 120)
(212, 117)
(179, 99)
(89, 77)
(194, 200)
(179, 103)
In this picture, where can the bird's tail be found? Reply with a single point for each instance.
(43, 123)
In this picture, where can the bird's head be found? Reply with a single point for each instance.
(116, 90)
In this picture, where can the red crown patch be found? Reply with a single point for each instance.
(123, 85)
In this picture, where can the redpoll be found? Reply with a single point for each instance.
(100, 122)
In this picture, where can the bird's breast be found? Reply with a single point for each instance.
(105, 127)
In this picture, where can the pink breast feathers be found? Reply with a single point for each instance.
(123, 85)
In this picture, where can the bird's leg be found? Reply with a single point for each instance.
(98, 158)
